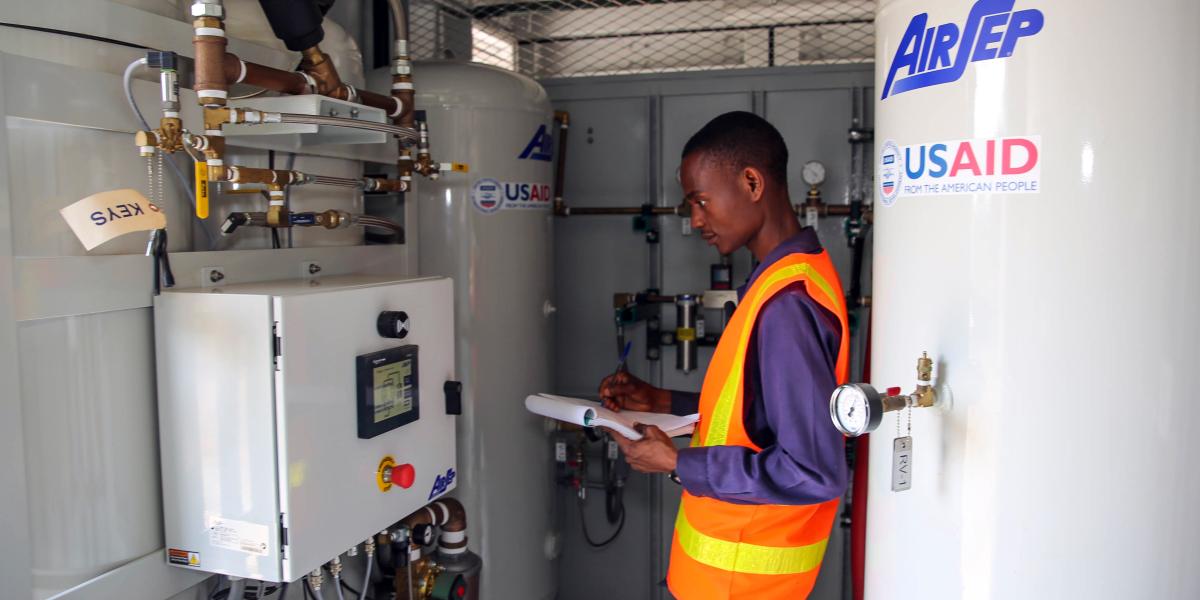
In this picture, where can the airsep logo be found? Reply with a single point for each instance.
(441, 484)
(925, 53)
(541, 147)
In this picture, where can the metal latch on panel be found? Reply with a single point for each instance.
(453, 390)
(276, 345)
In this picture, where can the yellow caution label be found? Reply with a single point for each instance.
(685, 334)
(202, 189)
(460, 167)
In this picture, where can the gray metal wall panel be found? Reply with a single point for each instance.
(597, 256)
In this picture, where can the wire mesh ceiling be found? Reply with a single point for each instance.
(572, 38)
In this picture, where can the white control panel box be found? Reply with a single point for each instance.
(299, 418)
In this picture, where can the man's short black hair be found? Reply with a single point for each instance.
(740, 139)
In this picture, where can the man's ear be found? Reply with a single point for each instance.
(753, 180)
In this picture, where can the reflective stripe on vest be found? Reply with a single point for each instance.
(740, 557)
(717, 432)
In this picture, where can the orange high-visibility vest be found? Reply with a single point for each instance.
(761, 551)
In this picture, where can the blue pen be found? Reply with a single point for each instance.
(624, 357)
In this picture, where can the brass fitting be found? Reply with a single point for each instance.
(925, 394)
(216, 118)
(331, 219)
(170, 134)
(427, 166)
(318, 66)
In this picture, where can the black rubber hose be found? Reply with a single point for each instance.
(296, 22)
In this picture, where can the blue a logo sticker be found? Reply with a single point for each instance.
(933, 55)
(541, 147)
(441, 484)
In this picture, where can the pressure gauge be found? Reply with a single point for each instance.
(813, 173)
(856, 409)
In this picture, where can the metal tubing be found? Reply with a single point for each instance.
(584, 211)
(399, 23)
(404, 133)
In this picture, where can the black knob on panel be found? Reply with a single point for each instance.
(392, 324)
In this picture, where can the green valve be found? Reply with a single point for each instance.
(449, 586)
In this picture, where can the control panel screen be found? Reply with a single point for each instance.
(393, 390)
(388, 390)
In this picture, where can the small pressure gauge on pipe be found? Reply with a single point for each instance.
(813, 173)
(856, 408)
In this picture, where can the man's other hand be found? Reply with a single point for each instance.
(654, 453)
(622, 391)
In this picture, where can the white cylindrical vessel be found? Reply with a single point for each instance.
(490, 230)
(1056, 293)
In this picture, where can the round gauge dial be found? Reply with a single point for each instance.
(855, 409)
(813, 173)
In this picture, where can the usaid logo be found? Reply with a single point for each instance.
(541, 147)
(1010, 165)
(487, 195)
(891, 175)
(933, 55)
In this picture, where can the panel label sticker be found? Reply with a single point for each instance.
(240, 536)
(185, 558)
(491, 195)
(442, 484)
(104, 216)
(1009, 165)
(540, 147)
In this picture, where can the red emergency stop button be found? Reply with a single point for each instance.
(404, 475)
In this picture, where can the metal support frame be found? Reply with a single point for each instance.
(15, 565)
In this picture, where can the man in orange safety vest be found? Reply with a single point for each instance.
(766, 467)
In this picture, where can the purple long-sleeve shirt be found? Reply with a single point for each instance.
(789, 377)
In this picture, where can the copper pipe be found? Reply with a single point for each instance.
(385, 185)
(276, 80)
(209, 69)
(562, 210)
(235, 174)
(560, 165)
(833, 210)
(293, 83)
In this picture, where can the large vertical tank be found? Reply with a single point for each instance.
(1057, 295)
(490, 230)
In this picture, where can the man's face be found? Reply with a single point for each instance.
(723, 200)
